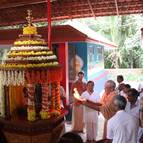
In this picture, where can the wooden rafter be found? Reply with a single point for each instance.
(20, 3)
(91, 8)
(14, 11)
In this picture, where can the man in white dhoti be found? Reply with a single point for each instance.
(90, 115)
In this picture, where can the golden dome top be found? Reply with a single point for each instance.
(30, 28)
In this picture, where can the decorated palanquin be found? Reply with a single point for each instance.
(30, 85)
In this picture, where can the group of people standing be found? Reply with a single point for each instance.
(121, 106)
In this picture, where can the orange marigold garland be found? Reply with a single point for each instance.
(31, 103)
(45, 105)
(55, 100)
(53, 96)
(57, 94)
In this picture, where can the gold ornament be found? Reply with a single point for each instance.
(30, 29)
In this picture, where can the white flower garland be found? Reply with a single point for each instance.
(33, 58)
(21, 48)
(12, 78)
(2, 105)
(4, 78)
(9, 78)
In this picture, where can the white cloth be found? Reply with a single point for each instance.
(122, 128)
(140, 88)
(77, 118)
(91, 131)
(62, 95)
(90, 116)
(117, 88)
(122, 93)
(135, 112)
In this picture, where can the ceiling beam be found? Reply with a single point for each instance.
(93, 2)
(97, 5)
(21, 3)
(91, 8)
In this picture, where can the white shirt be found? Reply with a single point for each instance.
(134, 110)
(140, 87)
(117, 89)
(122, 93)
(90, 115)
(123, 128)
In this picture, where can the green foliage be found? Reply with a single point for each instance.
(108, 63)
(125, 32)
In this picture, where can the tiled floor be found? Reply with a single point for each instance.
(99, 133)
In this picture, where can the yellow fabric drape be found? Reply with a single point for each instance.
(15, 98)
